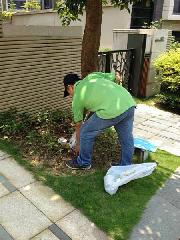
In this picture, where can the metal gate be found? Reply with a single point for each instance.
(121, 61)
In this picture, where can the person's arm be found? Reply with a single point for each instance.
(78, 110)
(77, 129)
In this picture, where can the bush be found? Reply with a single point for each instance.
(31, 5)
(168, 70)
(6, 15)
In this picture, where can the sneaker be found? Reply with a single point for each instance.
(75, 166)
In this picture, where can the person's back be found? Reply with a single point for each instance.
(98, 93)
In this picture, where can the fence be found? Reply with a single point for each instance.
(0, 25)
(121, 61)
(32, 70)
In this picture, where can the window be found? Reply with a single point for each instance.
(142, 12)
(176, 9)
(176, 34)
(45, 4)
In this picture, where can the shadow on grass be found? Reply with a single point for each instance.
(116, 214)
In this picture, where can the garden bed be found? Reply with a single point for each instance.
(37, 136)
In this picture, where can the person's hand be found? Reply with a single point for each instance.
(118, 78)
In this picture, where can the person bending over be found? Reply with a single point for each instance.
(111, 104)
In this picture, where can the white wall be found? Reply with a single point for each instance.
(170, 20)
(112, 18)
(168, 11)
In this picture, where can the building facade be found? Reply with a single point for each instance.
(171, 17)
(112, 18)
(166, 10)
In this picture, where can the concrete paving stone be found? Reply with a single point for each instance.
(45, 235)
(174, 130)
(20, 217)
(3, 191)
(136, 125)
(149, 129)
(170, 135)
(5, 182)
(165, 141)
(161, 121)
(173, 149)
(78, 227)
(2, 158)
(142, 108)
(139, 119)
(45, 199)
(4, 235)
(171, 191)
(142, 133)
(9, 186)
(154, 125)
(16, 174)
(161, 220)
(177, 125)
(58, 232)
(2, 178)
(4, 155)
(159, 140)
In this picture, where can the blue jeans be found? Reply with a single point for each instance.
(123, 125)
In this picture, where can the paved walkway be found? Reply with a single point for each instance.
(30, 210)
(160, 127)
(161, 219)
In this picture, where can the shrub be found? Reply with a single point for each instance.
(6, 15)
(168, 70)
(12, 123)
(12, 6)
(32, 5)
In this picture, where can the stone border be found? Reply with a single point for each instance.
(4, 234)
(58, 232)
(7, 184)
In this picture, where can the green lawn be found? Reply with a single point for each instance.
(151, 101)
(115, 214)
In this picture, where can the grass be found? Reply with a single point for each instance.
(151, 101)
(116, 214)
(156, 102)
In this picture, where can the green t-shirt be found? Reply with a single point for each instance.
(99, 93)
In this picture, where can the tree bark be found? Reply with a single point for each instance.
(91, 37)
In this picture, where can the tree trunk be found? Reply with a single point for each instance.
(91, 38)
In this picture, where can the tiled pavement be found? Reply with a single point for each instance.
(161, 219)
(30, 210)
(160, 127)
